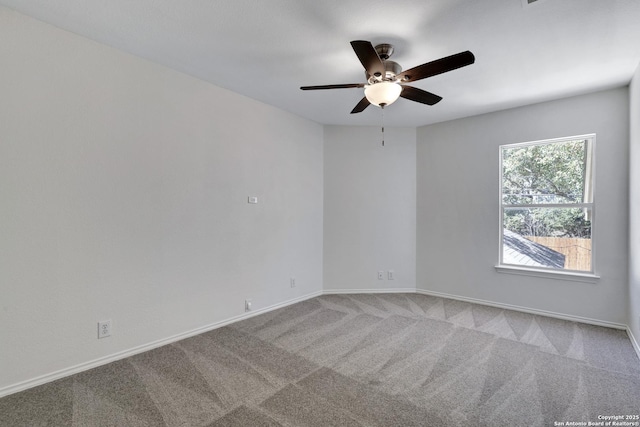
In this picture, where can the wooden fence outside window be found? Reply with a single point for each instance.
(577, 251)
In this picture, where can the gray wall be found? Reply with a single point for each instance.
(634, 211)
(457, 219)
(124, 192)
(369, 208)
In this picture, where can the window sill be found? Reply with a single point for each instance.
(557, 275)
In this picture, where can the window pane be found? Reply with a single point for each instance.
(557, 238)
(545, 173)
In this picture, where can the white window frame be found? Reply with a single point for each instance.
(549, 272)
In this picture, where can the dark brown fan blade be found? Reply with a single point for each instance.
(419, 95)
(438, 66)
(344, 86)
(368, 57)
(364, 103)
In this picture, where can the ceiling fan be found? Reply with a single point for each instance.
(385, 78)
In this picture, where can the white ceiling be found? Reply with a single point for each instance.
(267, 49)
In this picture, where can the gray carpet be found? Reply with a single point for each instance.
(356, 360)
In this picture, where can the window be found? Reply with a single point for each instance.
(546, 205)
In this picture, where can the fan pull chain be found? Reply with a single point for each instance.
(382, 106)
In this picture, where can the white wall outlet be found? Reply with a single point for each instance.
(292, 282)
(247, 305)
(380, 275)
(390, 275)
(104, 329)
(253, 200)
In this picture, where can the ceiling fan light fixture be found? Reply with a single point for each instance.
(382, 93)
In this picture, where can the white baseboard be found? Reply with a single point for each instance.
(546, 313)
(370, 291)
(634, 342)
(43, 379)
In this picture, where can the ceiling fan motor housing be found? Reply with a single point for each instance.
(391, 68)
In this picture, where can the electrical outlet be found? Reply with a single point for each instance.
(104, 329)
(390, 274)
(380, 275)
(247, 305)
(292, 281)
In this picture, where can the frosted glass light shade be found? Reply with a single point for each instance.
(384, 93)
